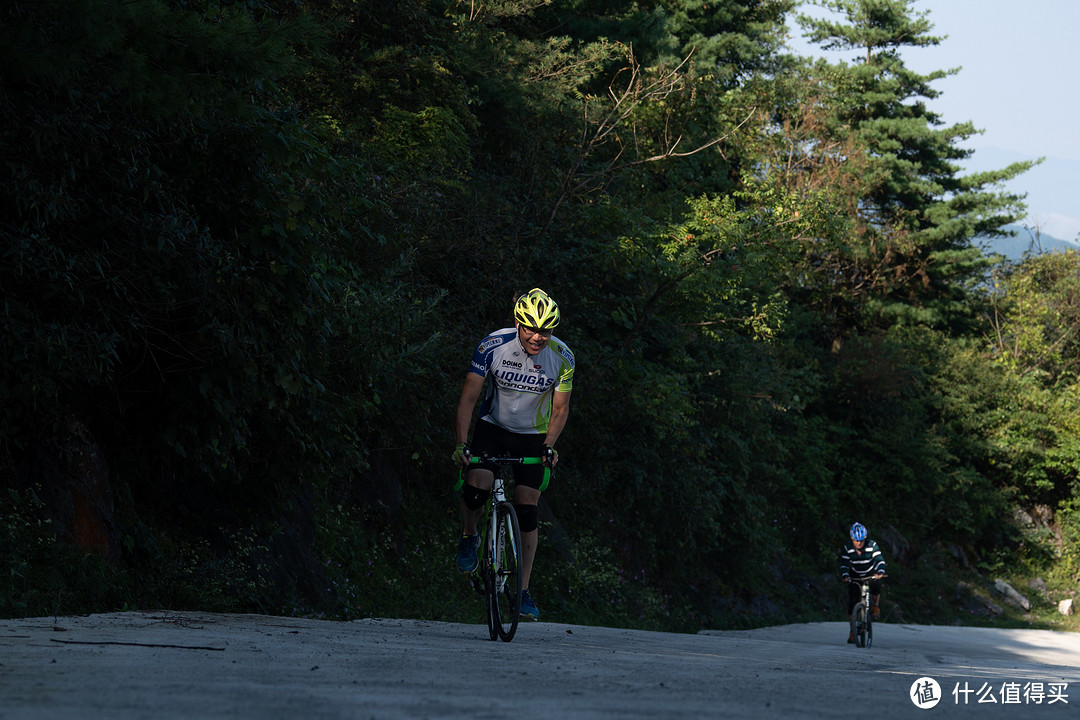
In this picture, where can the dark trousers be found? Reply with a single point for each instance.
(854, 593)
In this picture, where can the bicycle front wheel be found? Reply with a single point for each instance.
(858, 624)
(505, 589)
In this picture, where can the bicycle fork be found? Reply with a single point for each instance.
(499, 539)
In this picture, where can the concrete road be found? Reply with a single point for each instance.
(158, 665)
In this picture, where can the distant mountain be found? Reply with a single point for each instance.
(1052, 188)
(1025, 240)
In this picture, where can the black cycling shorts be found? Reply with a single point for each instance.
(494, 440)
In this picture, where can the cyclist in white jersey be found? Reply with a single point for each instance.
(528, 374)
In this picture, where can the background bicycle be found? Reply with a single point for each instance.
(862, 620)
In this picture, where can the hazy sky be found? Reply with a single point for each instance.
(1018, 83)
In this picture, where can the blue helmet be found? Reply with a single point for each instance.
(857, 532)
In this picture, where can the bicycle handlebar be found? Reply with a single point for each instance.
(863, 580)
(477, 459)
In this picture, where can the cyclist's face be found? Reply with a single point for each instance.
(858, 544)
(533, 340)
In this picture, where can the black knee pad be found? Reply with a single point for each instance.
(528, 517)
(474, 497)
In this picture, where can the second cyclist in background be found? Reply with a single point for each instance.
(529, 374)
(861, 558)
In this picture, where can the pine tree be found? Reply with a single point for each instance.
(909, 255)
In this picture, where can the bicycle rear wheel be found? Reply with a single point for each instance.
(487, 575)
(858, 623)
(505, 589)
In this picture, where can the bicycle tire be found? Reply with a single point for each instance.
(505, 588)
(869, 630)
(858, 624)
(487, 574)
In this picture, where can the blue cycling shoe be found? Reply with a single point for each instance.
(466, 553)
(528, 607)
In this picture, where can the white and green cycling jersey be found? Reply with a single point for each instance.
(520, 386)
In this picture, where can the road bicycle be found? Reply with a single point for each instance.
(498, 576)
(862, 621)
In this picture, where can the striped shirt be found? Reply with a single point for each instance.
(861, 563)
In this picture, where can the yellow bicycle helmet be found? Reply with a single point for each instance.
(536, 310)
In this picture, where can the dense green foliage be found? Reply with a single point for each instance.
(248, 247)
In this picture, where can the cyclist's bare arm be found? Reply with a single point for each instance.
(470, 393)
(560, 411)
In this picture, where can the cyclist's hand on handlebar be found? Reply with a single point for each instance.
(550, 455)
(461, 454)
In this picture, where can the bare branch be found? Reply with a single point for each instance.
(626, 93)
